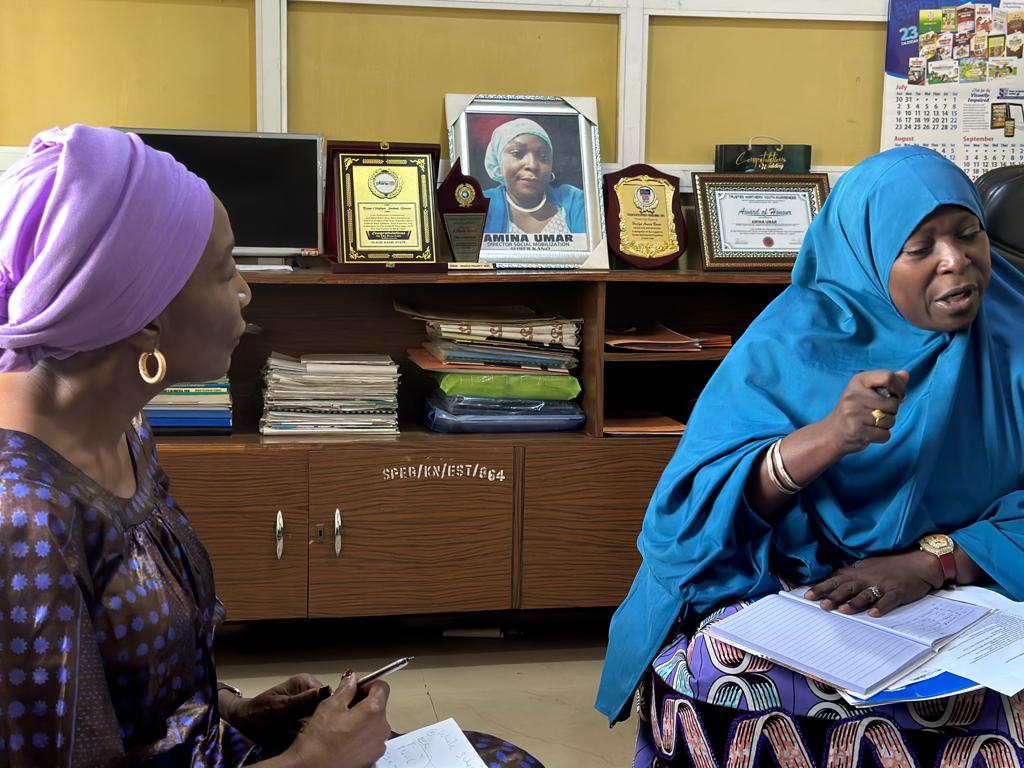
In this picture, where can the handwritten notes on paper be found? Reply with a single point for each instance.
(441, 745)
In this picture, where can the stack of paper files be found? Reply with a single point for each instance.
(642, 424)
(655, 337)
(500, 354)
(518, 324)
(512, 337)
(500, 369)
(202, 408)
(342, 394)
(855, 653)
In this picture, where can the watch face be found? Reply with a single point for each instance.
(937, 542)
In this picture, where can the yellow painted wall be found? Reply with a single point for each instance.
(719, 81)
(376, 73)
(145, 63)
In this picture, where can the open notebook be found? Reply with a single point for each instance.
(856, 653)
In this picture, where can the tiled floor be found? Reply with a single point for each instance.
(534, 687)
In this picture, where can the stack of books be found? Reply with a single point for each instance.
(202, 408)
(501, 369)
(353, 394)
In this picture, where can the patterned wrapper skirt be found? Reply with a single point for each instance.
(705, 703)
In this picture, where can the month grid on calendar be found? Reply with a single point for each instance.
(984, 156)
(926, 110)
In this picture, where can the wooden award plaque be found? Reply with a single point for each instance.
(644, 217)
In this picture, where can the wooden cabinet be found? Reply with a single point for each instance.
(233, 499)
(580, 521)
(419, 530)
(432, 523)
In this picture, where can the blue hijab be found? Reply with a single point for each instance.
(954, 463)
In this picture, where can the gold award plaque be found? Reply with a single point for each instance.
(388, 220)
(387, 209)
(647, 225)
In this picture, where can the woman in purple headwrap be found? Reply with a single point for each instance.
(116, 280)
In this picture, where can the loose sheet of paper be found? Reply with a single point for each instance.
(441, 745)
(990, 652)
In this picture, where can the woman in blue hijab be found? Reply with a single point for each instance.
(520, 158)
(864, 437)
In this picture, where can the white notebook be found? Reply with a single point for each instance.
(857, 653)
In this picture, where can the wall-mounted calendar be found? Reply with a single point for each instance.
(954, 81)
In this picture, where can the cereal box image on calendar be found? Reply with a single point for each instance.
(954, 81)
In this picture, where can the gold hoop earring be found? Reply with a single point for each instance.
(161, 367)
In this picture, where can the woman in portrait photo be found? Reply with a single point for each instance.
(528, 198)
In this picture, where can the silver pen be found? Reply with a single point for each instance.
(387, 669)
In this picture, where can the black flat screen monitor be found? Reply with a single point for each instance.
(270, 183)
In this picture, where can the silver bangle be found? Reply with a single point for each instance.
(225, 687)
(777, 472)
(770, 466)
(780, 468)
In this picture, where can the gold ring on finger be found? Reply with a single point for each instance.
(879, 414)
(876, 593)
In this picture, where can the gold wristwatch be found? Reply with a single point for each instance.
(942, 546)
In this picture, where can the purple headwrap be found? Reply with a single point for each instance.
(98, 232)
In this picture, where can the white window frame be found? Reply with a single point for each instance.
(634, 18)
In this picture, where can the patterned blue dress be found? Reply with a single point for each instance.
(107, 620)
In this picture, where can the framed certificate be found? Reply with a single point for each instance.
(750, 221)
(384, 209)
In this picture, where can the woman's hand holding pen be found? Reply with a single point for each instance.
(344, 734)
(866, 411)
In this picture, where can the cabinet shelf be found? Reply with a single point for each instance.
(412, 435)
(664, 357)
(318, 272)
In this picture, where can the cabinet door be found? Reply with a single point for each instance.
(233, 500)
(582, 515)
(421, 530)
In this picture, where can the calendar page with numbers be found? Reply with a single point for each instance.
(954, 81)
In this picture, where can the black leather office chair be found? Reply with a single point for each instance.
(1002, 195)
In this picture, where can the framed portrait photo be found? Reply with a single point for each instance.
(749, 221)
(537, 159)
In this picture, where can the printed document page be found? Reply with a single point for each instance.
(441, 745)
(991, 652)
